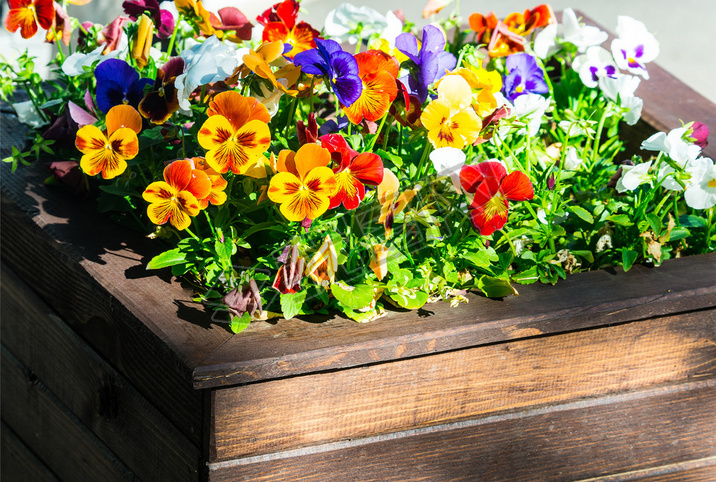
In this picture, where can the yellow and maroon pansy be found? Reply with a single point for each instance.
(235, 133)
(304, 184)
(108, 152)
(450, 119)
(176, 199)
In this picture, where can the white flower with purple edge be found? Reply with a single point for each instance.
(634, 47)
(593, 65)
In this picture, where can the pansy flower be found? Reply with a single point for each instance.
(593, 65)
(236, 132)
(27, 14)
(450, 119)
(261, 60)
(304, 184)
(163, 19)
(279, 23)
(353, 172)
(176, 199)
(378, 72)
(112, 34)
(324, 263)
(161, 101)
(634, 47)
(61, 29)
(493, 189)
(483, 25)
(217, 195)
(484, 84)
(233, 21)
(429, 63)
(524, 77)
(118, 83)
(108, 153)
(142, 42)
(338, 67)
(524, 23)
(194, 12)
(701, 188)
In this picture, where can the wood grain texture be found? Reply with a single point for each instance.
(701, 470)
(19, 464)
(101, 398)
(285, 414)
(624, 433)
(57, 438)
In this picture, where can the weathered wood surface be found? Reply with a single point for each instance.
(308, 410)
(19, 464)
(102, 399)
(53, 434)
(629, 432)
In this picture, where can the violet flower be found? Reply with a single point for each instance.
(524, 77)
(118, 83)
(163, 19)
(338, 67)
(429, 64)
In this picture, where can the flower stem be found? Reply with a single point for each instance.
(168, 53)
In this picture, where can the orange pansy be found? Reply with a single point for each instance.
(216, 195)
(26, 14)
(108, 152)
(378, 72)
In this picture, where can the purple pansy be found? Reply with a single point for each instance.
(429, 64)
(118, 83)
(339, 67)
(524, 76)
(163, 19)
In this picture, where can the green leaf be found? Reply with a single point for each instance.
(585, 254)
(654, 223)
(410, 299)
(353, 297)
(692, 221)
(527, 276)
(678, 233)
(291, 303)
(628, 258)
(167, 258)
(620, 219)
(117, 190)
(397, 160)
(240, 324)
(496, 287)
(481, 258)
(582, 213)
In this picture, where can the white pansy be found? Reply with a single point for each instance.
(634, 176)
(621, 90)
(545, 44)
(634, 47)
(571, 160)
(448, 161)
(674, 145)
(593, 65)
(205, 63)
(342, 23)
(75, 64)
(531, 108)
(569, 31)
(701, 188)
(28, 115)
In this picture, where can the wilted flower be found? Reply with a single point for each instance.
(244, 299)
(322, 267)
(289, 275)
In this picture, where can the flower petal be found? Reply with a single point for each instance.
(237, 109)
(311, 156)
(516, 186)
(158, 192)
(178, 174)
(123, 116)
(89, 139)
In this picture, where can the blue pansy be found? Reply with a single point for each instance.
(340, 68)
(118, 83)
(524, 76)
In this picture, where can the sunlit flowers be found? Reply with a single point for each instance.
(450, 119)
(524, 77)
(235, 133)
(593, 65)
(350, 23)
(304, 184)
(635, 46)
(392, 201)
(161, 101)
(118, 83)
(27, 14)
(493, 189)
(108, 153)
(378, 72)
(217, 194)
(279, 23)
(429, 60)
(176, 199)
(324, 263)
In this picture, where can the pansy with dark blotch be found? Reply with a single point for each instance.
(163, 19)
(161, 101)
(428, 64)
(118, 83)
(338, 67)
(524, 76)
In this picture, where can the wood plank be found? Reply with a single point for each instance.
(19, 464)
(102, 399)
(66, 446)
(627, 432)
(701, 470)
(301, 411)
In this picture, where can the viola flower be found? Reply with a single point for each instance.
(338, 67)
(194, 12)
(176, 198)
(161, 101)
(493, 189)
(378, 72)
(484, 84)
(27, 14)
(429, 63)
(260, 61)
(289, 275)
(216, 195)
(676, 144)
(450, 119)
(634, 176)
(307, 133)
(232, 20)
(236, 132)
(701, 188)
(112, 35)
(524, 77)
(279, 23)
(324, 264)
(524, 23)
(353, 172)
(504, 41)
(634, 47)
(593, 65)
(698, 133)
(109, 152)
(348, 23)
(483, 26)
(449, 161)
(569, 31)
(392, 201)
(163, 19)
(304, 184)
(118, 83)
(621, 90)
(143, 41)
(244, 299)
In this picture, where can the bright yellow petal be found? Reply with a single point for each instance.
(158, 192)
(283, 187)
(456, 92)
(90, 139)
(435, 114)
(123, 116)
(254, 139)
(310, 156)
(215, 131)
(321, 181)
(125, 143)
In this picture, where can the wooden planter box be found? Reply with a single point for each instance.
(110, 372)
